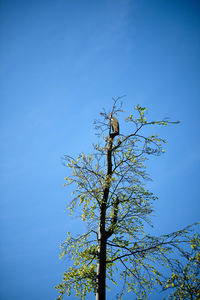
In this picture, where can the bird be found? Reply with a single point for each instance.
(114, 124)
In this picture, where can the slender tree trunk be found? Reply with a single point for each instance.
(101, 264)
(102, 236)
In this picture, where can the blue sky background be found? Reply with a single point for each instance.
(61, 62)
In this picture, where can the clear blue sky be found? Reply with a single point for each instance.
(61, 62)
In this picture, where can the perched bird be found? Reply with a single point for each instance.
(114, 124)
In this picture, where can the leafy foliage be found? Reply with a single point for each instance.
(185, 280)
(111, 183)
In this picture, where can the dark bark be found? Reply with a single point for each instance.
(102, 234)
(101, 267)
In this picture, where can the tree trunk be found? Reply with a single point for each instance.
(102, 235)
(101, 266)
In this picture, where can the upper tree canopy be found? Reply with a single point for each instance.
(117, 167)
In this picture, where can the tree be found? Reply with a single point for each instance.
(109, 190)
(185, 279)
